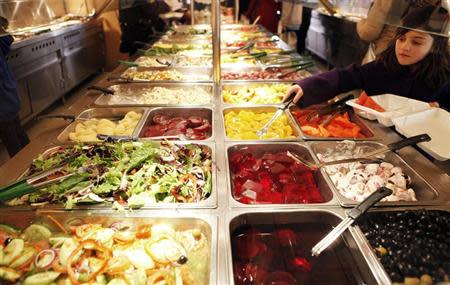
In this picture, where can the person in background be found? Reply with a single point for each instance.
(11, 132)
(303, 30)
(291, 17)
(139, 21)
(243, 7)
(174, 4)
(296, 18)
(373, 28)
(267, 11)
(416, 65)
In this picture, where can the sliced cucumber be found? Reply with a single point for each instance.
(9, 274)
(42, 278)
(35, 233)
(12, 251)
(28, 252)
(56, 241)
(66, 250)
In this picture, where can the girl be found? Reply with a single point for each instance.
(415, 65)
(374, 29)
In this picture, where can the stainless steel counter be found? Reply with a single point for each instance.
(48, 65)
(228, 210)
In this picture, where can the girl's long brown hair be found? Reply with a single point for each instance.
(434, 68)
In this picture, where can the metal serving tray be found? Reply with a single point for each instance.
(133, 89)
(425, 193)
(364, 246)
(184, 28)
(254, 69)
(175, 63)
(302, 149)
(187, 41)
(259, 109)
(209, 203)
(102, 113)
(236, 85)
(185, 71)
(365, 130)
(204, 112)
(206, 223)
(277, 45)
(342, 263)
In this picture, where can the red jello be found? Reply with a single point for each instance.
(272, 178)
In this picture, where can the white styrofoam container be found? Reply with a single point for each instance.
(436, 123)
(394, 106)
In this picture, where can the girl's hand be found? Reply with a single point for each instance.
(294, 89)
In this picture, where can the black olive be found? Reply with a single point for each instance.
(7, 241)
(182, 260)
(395, 276)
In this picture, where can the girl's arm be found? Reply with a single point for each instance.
(369, 29)
(321, 87)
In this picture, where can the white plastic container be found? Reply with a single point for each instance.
(394, 106)
(436, 123)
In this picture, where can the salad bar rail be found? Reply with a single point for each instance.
(231, 225)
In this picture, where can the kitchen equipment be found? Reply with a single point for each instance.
(352, 216)
(29, 185)
(367, 156)
(329, 106)
(297, 68)
(112, 138)
(277, 114)
(104, 90)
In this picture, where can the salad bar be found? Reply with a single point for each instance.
(171, 178)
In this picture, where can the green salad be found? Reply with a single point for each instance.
(132, 174)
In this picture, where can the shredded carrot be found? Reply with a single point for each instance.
(58, 224)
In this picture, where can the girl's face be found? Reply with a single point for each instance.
(412, 47)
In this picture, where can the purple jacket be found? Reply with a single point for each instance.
(373, 78)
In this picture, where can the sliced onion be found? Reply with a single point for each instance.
(120, 226)
(41, 256)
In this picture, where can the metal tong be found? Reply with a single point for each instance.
(330, 106)
(298, 68)
(104, 90)
(368, 157)
(247, 46)
(56, 116)
(112, 138)
(278, 113)
(28, 185)
(288, 64)
(128, 63)
(122, 79)
(352, 216)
